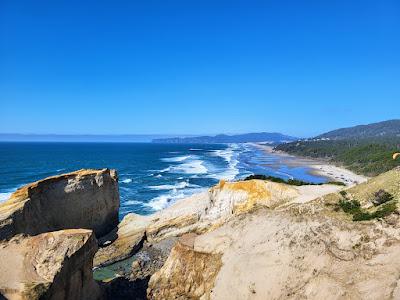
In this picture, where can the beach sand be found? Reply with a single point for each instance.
(317, 167)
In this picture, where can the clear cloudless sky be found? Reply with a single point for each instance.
(195, 67)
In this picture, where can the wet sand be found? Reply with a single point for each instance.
(317, 167)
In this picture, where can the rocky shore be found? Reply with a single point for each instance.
(240, 240)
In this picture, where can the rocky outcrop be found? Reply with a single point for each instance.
(82, 199)
(48, 235)
(130, 235)
(187, 273)
(201, 213)
(54, 265)
(151, 258)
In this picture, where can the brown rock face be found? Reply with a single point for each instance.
(130, 236)
(187, 273)
(83, 199)
(54, 265)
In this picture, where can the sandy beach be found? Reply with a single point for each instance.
(317, 167)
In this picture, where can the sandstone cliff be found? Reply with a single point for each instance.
(47, 235)
(82, 199)
(187, 273)
(55, 265)
(240, 240)
(203, 212)
(296, 249)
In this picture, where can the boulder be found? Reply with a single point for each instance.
(83, 199)
(54, 265)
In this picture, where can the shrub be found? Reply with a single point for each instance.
(350, 206)
(353, 208)
(295, 182)
(336, 183)
(381, 197)
(386, 209)
(363, 216)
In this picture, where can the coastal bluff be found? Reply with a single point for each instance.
(48, 235)
(83, 199)
(258, 239)
(251, 239)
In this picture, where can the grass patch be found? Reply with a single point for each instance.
(295, 182)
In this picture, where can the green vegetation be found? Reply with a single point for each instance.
(295, 182)
(383, 211)
(385, 206)
(368, 156)
(350, 206)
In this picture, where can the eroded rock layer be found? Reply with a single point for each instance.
(54, 265)
(187, 273)
(201, 213)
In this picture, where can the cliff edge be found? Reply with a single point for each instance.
(48, 235)
(83, 199)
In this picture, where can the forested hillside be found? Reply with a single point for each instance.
(390, 128)
(365, 149)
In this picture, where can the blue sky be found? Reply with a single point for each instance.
(196, 67)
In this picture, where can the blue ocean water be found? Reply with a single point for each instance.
(151, 176)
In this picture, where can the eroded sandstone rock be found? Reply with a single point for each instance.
(82, 199)
(54, 265)
(129, 238)
(187, 273)
(276, 255)
(199, 213)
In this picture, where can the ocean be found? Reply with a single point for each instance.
(151, 176)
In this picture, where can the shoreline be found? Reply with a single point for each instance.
(316, 167)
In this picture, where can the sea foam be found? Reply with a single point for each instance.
(4, 196)
(176, 159)
(165, 200)
(127, 180)
(231, 157)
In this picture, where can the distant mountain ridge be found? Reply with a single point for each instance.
(272, 137)
(390, 128)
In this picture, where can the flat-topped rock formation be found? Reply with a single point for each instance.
(54, 265)
(82, 199)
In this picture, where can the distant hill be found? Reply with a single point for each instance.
(389, 128)
(223, 138)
